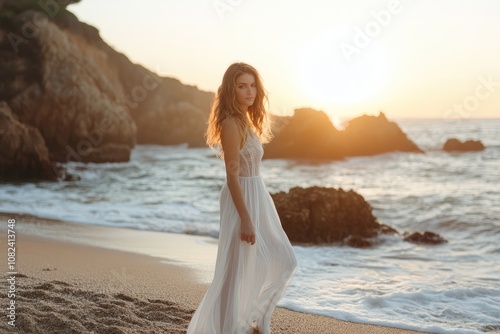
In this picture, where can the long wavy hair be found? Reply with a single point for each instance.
(225, 106)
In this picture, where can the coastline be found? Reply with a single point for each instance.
(106, 279)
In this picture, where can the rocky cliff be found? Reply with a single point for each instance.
(24, 153)
(87, 101)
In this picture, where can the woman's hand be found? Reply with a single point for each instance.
(247, 231)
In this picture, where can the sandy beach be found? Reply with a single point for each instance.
(75, 278)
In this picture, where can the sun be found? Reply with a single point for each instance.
(327, 78)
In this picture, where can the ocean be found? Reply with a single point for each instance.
(450, 288)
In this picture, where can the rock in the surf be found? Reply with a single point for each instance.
(453, 145)
(428, 238)
(327, 215)
(371, 135)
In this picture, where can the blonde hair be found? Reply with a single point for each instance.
(226, 107)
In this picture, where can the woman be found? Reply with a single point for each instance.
(255, 260)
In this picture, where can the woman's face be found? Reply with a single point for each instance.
(246, 90)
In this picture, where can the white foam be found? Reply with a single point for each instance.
(451, 288)
(373, 287)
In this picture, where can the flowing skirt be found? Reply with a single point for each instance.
(249, 280)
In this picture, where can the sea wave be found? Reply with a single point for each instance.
(451, 288)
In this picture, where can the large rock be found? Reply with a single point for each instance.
(309, 134)
(23, 151)
(327, 215)
(453, 144)
(428, 238)
(73, 105)
(88, 101)
(371, 135)
(60, 89)
(319, 215)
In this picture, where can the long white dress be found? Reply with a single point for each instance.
(249, 280)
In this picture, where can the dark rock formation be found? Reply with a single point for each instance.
(453, 144)
(429, 238)
(309, 134)
(319, 215)
(371, 135)
(24, 154)
(358, 242)
(327, 215)
(73, 102)
(88, 101)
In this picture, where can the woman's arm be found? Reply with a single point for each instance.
(230, 140)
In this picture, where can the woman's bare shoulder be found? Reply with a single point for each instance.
(231, 120)
(231, 131)
(230, 125)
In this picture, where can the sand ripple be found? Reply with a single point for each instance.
(54, 307)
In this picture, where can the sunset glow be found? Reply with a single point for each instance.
(327, 78)
(407, 58)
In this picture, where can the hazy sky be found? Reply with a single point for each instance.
(409, 58)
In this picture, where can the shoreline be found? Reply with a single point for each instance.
(107, 279)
